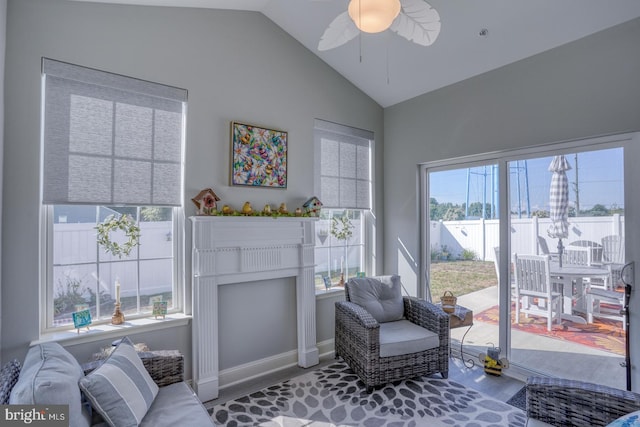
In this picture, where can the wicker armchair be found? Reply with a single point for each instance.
(562, 402)
(357, 338)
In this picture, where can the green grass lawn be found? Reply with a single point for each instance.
(461, 277)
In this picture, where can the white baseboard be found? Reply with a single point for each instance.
(257, 368)
(326, 348)
(269, 365)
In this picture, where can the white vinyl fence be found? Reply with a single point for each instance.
(150, 264)
(481, 236)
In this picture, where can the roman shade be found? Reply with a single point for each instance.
(344, 156)
(109, 139)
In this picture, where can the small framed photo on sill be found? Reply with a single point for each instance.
(258, 156)
(81, 319)
(160, 309)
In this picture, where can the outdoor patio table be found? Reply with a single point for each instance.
(570, 274)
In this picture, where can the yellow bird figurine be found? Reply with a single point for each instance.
(247, 209)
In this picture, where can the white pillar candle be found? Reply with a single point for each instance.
(117, 291)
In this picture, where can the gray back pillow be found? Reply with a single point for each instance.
(381, 296)
(50, 376)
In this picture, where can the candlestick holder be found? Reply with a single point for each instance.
(118, 316)
(341, 283)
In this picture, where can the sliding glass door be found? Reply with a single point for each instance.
(485, 223)
(569, 211)
(464, 227)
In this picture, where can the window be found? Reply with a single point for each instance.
(344, 185)
(112, 147)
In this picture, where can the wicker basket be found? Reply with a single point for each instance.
(164, 366)
(448, 302)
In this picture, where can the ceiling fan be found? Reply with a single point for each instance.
(414, 20)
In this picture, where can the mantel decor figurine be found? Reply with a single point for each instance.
(312, 206)
(205, 202)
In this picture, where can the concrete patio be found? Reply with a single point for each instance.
(533, 354)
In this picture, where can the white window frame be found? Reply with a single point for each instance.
(47, 276)
(47, 290)
(367, 215)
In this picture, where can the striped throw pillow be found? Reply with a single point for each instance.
(121, 390)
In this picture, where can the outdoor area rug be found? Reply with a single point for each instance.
(603, 334)
(335, 396)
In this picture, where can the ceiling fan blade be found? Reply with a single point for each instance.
(341, 30)
(417, 22)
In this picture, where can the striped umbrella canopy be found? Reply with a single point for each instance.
(559, 201)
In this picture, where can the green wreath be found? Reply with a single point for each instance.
(124, 223)
(341, 227)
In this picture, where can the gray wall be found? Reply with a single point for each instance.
(586, 88)
(3, 38)
(235, 65)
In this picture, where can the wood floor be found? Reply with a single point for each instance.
(501, 388)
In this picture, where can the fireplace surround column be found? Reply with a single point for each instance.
(230, 249)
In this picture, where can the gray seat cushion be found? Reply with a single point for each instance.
(176, 405)
(381, 296)
(403, 337)
(50, 376)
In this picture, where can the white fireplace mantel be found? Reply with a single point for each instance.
(231, 249)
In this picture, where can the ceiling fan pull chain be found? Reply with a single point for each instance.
(360, 32)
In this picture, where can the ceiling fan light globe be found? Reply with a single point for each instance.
(373, 16)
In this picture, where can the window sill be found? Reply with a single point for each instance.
(107, 331)
(330, 293)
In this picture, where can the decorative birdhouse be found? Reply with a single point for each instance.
(205, 201)
(312, 206)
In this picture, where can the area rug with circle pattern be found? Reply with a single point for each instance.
(335, 396)
(603, 334)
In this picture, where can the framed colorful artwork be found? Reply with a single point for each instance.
(258, 156)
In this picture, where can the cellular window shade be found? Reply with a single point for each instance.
(344, 157)
(110, 139)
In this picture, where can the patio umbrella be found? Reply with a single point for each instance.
(559, 201)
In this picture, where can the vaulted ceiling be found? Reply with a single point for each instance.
(475, 37)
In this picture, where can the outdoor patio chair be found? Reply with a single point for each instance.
(583, 254)
(595, 249)
(577, 255)
(385, 337)
(613, 257)
(534, 289)
(605, 304)
(544, 248)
